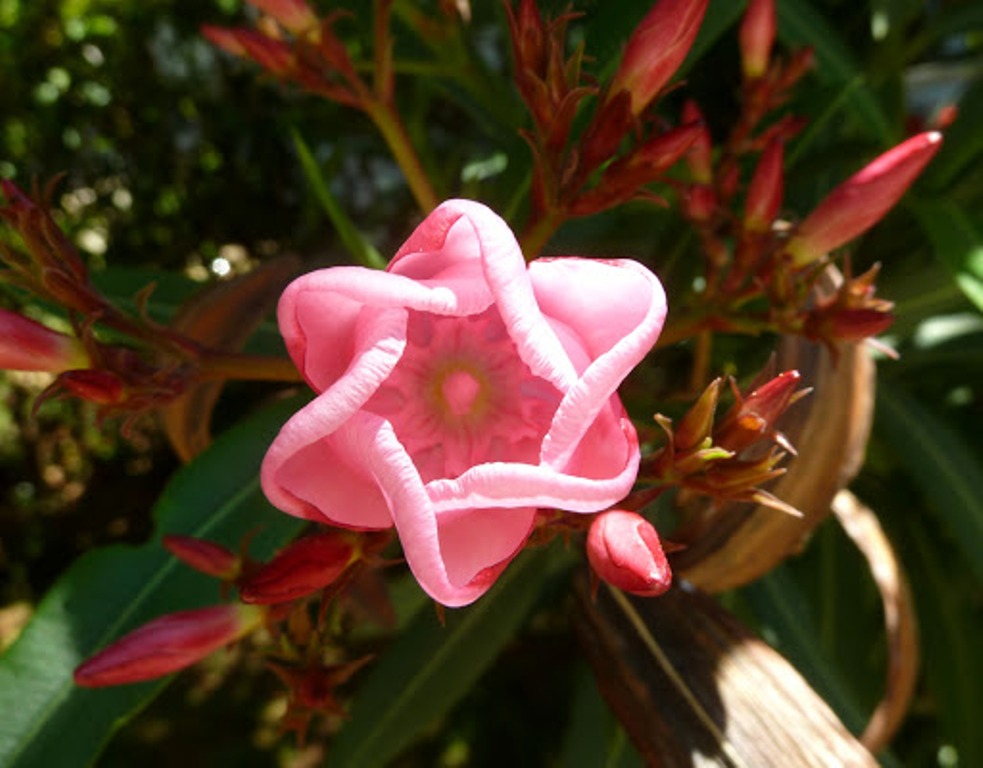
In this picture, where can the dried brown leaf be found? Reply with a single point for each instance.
(693, 687)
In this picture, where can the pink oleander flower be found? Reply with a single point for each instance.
(26, 345)
(862, 200)
(624, 550)
(460, 390)
(168, 644)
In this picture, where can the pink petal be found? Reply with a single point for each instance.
(505, 274)
(581, 294)
(311, 472)
(454, 555)
(511, 485)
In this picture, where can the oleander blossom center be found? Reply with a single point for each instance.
(460, 396)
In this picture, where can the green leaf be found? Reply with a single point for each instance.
(942, 465)
(47, 720)
(957, 242)
(951, 633)
(430, 667)
(799, 23)
(361, 249)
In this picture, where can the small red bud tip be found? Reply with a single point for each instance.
(168, 644)
(204, 556)
(656, 49)
(753, 417)
(757, 35)
(862, 200)
(26, 345)
(624, 550)
(295, 16)
(302, 568)
(764, 195)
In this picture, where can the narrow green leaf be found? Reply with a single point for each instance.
(594, 736)
(959, 157)
(942, 465)
(799, 23)
(951, 633)
(957, 242)
(47, 720)
(430, 667)
(361, 249)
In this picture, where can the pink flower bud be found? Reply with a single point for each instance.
(862, 200)
(26, 345)
(302, 568)
(656, 49)
(757, 35)
(168, 644)
(204, 556)
(624, 550)
(293, 15)
(764, 194)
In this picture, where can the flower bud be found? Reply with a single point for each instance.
(656, 49)
(699, 156)
(624, 550)
(293, 15)
(26, 345)
(764, 194)
(862, 200)
(99, 387)
(757, 35)
(694, 428)
(204, 556)
(302, 568)
(753, 417)
(168, 644)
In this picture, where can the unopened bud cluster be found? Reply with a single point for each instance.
(273, 595)
(724, 459)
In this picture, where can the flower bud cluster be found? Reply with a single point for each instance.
(751, 252)
(294, 45)
(732, 458)
(270, 594)
(615, 156)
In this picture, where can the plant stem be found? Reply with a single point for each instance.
(392, 130)
(534, 239)
(249, 368)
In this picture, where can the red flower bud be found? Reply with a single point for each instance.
(699, 202)
(168, 644)
(26, 345)
(302, 568)
(656, 49)
(293, 15)
(764, 194)
(204, 556)
(99, 387)
(624, 550)
(753, 417)
(757, 35)
(699, 157)
(273, 55)
(862, 200)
